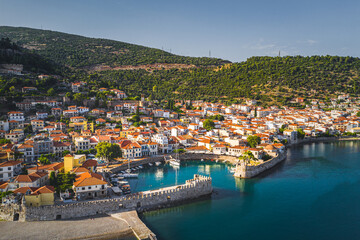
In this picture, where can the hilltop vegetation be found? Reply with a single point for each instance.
(79, 52)
(271, 80)
(268, 79)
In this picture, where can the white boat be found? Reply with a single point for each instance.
(129, 175)
(202, 160)
(123, 183)
(232, 170)
(150, 164)
(141, 167)
(157, 163)
(174, 162)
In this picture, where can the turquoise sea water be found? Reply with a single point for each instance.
(313, 194)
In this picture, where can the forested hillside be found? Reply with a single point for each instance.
(269, 79)
(11, 53)
(82, 52)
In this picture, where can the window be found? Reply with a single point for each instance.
(83, 188)
(89, 187)
(9, 168)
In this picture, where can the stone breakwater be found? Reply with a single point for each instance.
(245, 171)
(194, 188)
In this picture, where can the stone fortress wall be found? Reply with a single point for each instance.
(245, 171)
(197, 187)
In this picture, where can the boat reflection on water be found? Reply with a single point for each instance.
(204, 169)
(159, 174)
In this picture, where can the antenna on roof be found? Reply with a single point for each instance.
(279, 53)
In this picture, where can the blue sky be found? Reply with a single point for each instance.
(233, 30)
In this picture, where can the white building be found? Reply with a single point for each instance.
(9, 169)
(17, 116)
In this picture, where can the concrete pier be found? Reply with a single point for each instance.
(131, 218)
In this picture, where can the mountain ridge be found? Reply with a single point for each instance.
(79, 52)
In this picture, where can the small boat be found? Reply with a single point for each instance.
(141, 167)
(157, 163)
(232, 170)
(121, 183)
(129, 175)
(150, 164)
(174, 162)
(126, 189)
(202, 160)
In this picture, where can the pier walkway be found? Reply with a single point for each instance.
(131, 218)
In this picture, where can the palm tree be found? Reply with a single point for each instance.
(247, 156)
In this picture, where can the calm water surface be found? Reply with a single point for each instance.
(314, 194)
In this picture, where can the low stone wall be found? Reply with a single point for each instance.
(244, 171)
(144, 201)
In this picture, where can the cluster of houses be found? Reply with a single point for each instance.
(78, 129)
(34, 186)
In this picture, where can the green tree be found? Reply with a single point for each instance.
(68, 95)
(44, 160)
(358, 114)
(52, 178)
(281, 130)
(108, 151)
(28, 129)
(4, 141)
(66, 152)
(247, 156)
(51, 92)
(208, 124)
(253, 140)
(217, 117)
(78, 98)
(300, 133)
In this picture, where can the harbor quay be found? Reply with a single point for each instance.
(143, 201)
(182, 157)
